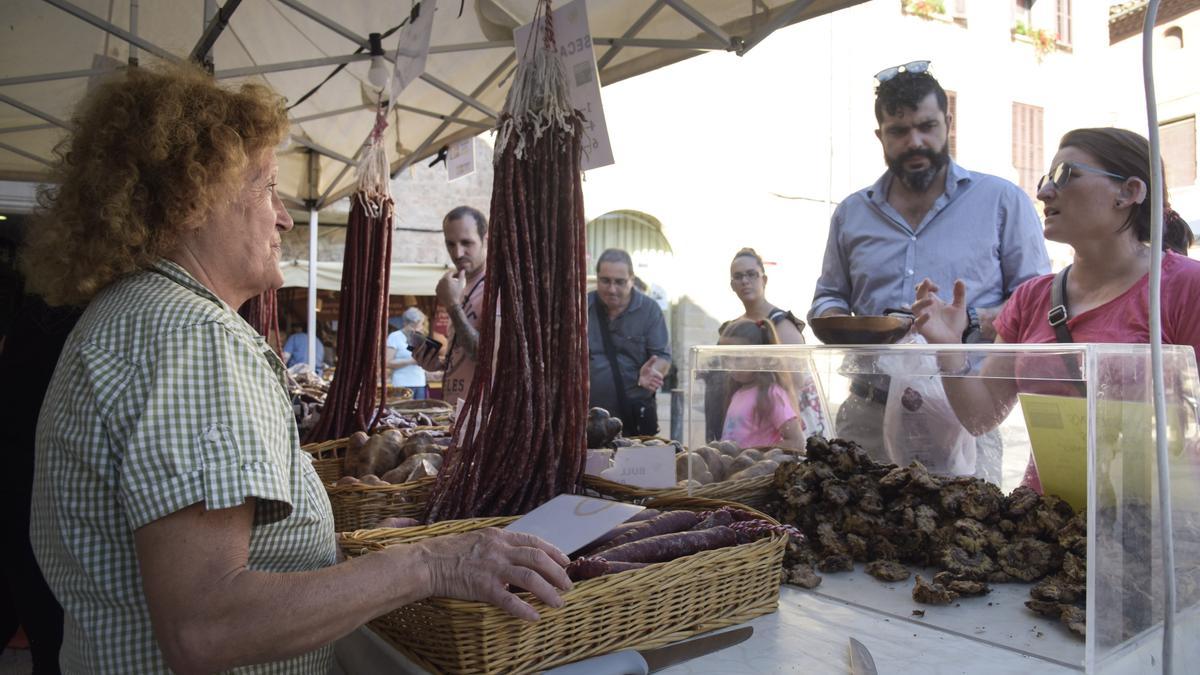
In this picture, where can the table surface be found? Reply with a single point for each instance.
(810, 634)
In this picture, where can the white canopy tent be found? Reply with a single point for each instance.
(406, 278)
(317, 54)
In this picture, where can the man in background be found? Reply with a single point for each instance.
(629, 351)
(461, 293)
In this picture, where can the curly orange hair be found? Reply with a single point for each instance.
(150, 154)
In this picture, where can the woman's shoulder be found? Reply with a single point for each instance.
(1181, 267)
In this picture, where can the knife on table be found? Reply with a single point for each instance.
(645, 661)
(861, 662)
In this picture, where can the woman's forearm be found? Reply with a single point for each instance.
(980, 403)
(256, 617)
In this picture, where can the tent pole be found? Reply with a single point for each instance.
(133, 17)
(312, 287)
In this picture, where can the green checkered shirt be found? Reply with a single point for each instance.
(163, 398)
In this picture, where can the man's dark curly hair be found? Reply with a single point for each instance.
(906, 90)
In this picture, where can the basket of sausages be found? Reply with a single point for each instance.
(370, 478)
(719, 470)
(679, 568)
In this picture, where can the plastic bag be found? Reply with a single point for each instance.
(918, 422)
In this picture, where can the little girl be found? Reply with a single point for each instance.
(760, 408)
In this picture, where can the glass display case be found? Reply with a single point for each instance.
(1078, 419)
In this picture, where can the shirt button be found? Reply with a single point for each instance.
(912, 238)
(212, 435)
(908, 273)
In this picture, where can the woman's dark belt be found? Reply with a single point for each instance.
(869, 391)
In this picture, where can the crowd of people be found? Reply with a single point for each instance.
(165, 450)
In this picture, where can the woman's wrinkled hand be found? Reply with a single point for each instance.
(937, 321)
(484, 564)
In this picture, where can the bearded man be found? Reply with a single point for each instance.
(925, 218)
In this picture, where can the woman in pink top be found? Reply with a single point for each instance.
(1096, 200)
(759, 409)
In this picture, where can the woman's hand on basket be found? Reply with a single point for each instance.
(482, 565)
(937, 321)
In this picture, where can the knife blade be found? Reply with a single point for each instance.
(645, 661)
(861, 662)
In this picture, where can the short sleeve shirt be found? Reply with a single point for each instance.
(460, 365)
(163, 398)
(746, 428)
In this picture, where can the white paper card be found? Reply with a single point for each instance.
(598, 459)
(571, 521)
(650, 466)
(460, 159)
(574, 39)
(413, 48)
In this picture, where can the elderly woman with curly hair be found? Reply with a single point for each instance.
(177, 519)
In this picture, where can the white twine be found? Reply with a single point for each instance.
(539, 98)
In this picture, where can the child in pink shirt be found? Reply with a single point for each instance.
(761, 410)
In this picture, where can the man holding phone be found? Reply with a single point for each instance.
(461, 293)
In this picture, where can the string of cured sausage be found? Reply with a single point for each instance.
(519, 439)
(354, 401)
(262, 313)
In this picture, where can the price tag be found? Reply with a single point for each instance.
(570, 521)
(574, 39)
(650, 466)
(413, 48)
(460, 159)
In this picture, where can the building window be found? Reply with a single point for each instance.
(1178, 142)
(952, 111)
(1063, 32)
(1027, 149)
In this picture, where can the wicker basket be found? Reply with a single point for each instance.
(753, 492)
(649, 607)
(361, 506)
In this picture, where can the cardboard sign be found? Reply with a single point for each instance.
(570, 522)
(574, 39)
(460, 159)
(651, 466)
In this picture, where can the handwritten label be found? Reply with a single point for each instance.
(460, 159)
(574, 40)
(598, 459)
(650, 466)
(570, 522)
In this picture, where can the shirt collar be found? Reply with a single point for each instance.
(956, 176)
(176, 273)
(635, 301)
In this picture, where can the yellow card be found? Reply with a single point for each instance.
(1058, 433)
(1124, 447)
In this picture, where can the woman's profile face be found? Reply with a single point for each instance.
(1082, 206)
(240, 244)
(747, 279)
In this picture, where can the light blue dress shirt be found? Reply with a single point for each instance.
(982, 229)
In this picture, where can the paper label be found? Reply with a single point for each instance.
(598, 459)
(570, 522)
(574, 39)
(460, 159)
(651, 466)
(1124, 438)
(413, 48)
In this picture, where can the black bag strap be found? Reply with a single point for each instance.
(1057, 316)
(611, 352)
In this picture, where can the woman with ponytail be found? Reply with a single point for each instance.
(1097, 200)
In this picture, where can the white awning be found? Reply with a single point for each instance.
(406, 279)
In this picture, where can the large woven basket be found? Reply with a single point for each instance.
(649, 607)
(753, 492)
(362, 506)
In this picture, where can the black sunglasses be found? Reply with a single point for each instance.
(1060, 175)
(914, 67)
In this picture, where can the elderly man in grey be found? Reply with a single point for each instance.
(926, 217)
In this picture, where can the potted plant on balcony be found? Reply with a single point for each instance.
(1043, 40)
(926, 9)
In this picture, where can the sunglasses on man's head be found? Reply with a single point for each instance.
(914, 67)
(1060, 175)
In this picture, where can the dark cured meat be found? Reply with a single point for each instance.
(521, 432)
(590, 567)
(671, 546)
(262, 313)
(351, 404)
(671, 521)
